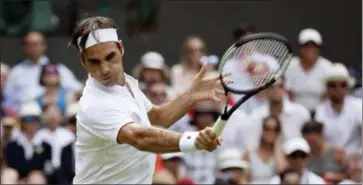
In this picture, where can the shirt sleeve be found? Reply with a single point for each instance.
(105, 122)
(68, 80)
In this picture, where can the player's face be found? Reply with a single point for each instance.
(104, 62)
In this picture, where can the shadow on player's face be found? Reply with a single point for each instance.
(104, 62)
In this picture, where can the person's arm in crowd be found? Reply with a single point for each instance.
(68, 79)
(202, 89)
(280, 159)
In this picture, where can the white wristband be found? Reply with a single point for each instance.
(187, 142)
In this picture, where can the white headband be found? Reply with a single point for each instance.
(99, 36)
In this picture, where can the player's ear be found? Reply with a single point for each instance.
(120, 44)
(81, 60)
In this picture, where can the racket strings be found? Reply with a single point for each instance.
(265, 47)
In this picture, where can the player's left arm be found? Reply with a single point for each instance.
(167, 114)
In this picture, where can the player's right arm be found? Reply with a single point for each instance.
(157, 140)
(114, 124)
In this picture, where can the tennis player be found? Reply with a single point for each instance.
(116, 140)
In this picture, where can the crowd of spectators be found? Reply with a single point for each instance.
(304, 129)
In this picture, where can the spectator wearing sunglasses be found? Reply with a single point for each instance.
(341, 113)
(297, 151)
(324, 160)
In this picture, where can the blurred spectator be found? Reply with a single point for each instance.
(291, 115)
(324, 160)
(26, 153)
(225, 178)
(290, 177)
(10, 129)
(182, 74)
(23, 82)
(9, 176)
(306, 71)
(57, 137)
(229, 161)
(36, 177)
(354, 169)
(153, 70)
(297, 151)
(267, 159)
(157, 93)
(54, 93)
(200, 165)
(341, 114)
(243, 30)
(173, 162)
(163, 177)
(5, 110)
(67, 168)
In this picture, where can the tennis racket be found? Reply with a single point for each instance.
(253, 63)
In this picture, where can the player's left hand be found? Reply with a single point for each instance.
(207, 88)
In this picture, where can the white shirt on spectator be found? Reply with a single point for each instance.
(307, 178)
(181, 78)
(348, 181)
(308, 86)
(23, 81)
(103, 112)
(292, 119)
(344, 129)
(57, 140)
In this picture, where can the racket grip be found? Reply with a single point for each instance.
(219, 126)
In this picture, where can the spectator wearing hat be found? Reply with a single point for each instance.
(340, 113)
(67, 165)
(23, 81)
(324, 160)
(297, 151)
(290, 177)
(153, 70)
(57, 137)
(267, 160)
(229, 161)
(182, 74)
(54, 93)
(173, 162)
(26, 152)
(291, 115)
(354, 169)
(306, 71)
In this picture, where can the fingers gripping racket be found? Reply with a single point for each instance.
(254, 63)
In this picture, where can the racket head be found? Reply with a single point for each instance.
(255, 62)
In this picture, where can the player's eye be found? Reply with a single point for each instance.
(110, 56)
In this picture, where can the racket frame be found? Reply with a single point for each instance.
(249, 93)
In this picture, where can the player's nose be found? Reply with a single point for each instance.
(105, 68)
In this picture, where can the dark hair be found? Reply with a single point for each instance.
(312, 126)
(288, 171)
(242, 30)
(43, 71)
(277, 120)
(86, 26)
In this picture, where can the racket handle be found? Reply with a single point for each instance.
(219, 126)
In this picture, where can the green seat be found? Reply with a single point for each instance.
(42, 16)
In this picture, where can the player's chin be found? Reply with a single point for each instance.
(108, 82)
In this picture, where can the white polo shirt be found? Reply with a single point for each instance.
(308, 86)
(308, 177)
(342, 129)
(292, 119)
(103, 112)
